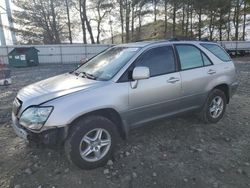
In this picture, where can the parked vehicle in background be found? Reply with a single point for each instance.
(122, 88)
(5, 76)
(236, 47)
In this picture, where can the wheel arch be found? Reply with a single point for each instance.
(110, 114)
(225, 88)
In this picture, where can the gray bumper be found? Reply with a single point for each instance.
(17, 128)
(48, 137)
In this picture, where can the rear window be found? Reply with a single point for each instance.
(217, 51)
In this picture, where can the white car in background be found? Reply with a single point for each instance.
(5, 77)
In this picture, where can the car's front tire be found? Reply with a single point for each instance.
(5, 83)
(214, 107)
(91, 142)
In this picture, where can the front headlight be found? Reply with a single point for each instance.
(35, 117)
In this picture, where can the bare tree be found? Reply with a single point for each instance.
(69, 23)
(102, 7)
(41, 21)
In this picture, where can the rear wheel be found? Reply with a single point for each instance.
(91, 142)
(214, 107)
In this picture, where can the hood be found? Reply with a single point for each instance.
(54, 87)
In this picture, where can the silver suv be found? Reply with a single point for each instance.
(122, 88)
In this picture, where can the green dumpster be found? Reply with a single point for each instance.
(23, 57)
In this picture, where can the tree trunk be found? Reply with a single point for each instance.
(237, 9)
(220, 25)
(187, 21)
(69, 23)
(244, 21)
(199, 24)
(127, 20)
(229, 22)
(139, 20)
(98, 23)
(132, 24)
(50, 34)
(166, 17)
(111, 30)
(155, 10)
(191, 22)
(89, 28)
(183, 20)
(211, 25)
(54, 24)
(174, 19)
(122, 19)
(82, 22)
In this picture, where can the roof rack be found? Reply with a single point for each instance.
(173, 39)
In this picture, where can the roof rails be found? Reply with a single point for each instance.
(205, 39)
(173, 39)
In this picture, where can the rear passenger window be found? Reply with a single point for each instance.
(217, 51)
(159, 60)
(206, 60)
(190, 57)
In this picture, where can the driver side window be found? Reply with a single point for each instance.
(159, 60)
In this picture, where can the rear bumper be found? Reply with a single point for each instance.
(50, 137)
(233, 88)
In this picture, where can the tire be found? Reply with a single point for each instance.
(208, 113)
(81, 138)
(5, 83)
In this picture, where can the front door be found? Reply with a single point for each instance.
(157, 96)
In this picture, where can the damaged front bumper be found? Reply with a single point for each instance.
(51, 137)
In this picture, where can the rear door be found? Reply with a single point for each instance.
(196, 73)
(157, 96)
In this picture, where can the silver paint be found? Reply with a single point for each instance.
(150, 99)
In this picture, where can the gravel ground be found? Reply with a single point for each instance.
(178, 152)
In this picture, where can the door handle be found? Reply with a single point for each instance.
(172, 80)
(211, 71)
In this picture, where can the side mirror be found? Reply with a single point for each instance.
(140, 73)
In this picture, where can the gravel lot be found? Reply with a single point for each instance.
(178, 152)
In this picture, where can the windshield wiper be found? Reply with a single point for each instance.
(87, 75)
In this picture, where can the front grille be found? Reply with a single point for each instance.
(16, 106)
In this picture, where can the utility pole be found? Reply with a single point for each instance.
(10, 19)
(2, 36)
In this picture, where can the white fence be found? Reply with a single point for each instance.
(74, 53)
(64, 53)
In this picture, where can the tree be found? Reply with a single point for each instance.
(155, 3)
(41, 21)
(121, 12)
(236, 19)
(102, 8)
(69, 23)
(52, 21)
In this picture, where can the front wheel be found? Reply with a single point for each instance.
(91, 142)
(214, 107)
(5, 83)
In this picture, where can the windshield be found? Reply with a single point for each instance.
(105, 65)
